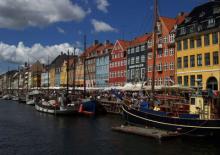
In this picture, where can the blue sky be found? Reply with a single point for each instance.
(32, 30)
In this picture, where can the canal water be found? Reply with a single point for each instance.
(24, 131)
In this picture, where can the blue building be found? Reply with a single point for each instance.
(102, 65)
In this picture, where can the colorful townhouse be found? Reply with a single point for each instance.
(165, 52)
(102, 64)
(79, 78)
(198, 48)
(136, 59)
(36, 70)
(45, 76)
(118, 63)
(55, 70)
(90, 62)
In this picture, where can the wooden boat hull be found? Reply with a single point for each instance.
(193, 127)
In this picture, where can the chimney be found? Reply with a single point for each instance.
(96, 42)
(107, 42)
(180, 14)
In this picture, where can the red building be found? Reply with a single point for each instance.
(165, 53)
(118, 63)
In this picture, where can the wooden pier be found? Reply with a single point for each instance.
(146, 132)
(112, 107)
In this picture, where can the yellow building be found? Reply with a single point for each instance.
(52, 76)
(198, 49)
(63, 74)
(79, 73)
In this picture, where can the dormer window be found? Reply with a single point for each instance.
(202, 14)
(188, 19)
(182, 30)
(199, 28)
(211, 22)
(216, 10)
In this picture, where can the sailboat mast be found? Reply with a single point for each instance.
(154, 43)
(48, 76)
(84, 65)
(74, 70)
(67, 70)
(18, 78)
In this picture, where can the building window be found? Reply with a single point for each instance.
(149, 43)
(186, 80)
(199, 80)
(199, 42)
(166, 52)
(132, 50)
(215, 38)
(159, 53)
(172, 66)
(143, 48)
(142, 73)
(137, 59)
(215, 58)
(192, 60)
(129, 61)
(132, 60)
(192, 43)
(179, 79)
(172, 38)
(171, 51)
(138, 49)
(165, 39)
(128, 74)
(185, 59)
(206, 40)
(150, 55)
(207, 59)
(192, 80)
(199, 59)
(179, 46)
(149, 69)
(211, 22)
(159, 67)
(132, 74)
(182, 30)
(129, 51)
(143, 58)
(160, 81)
(166, 66)
(179, 62)
(185, 44)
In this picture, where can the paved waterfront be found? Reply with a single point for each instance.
(24, 131)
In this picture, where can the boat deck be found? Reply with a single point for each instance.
(146, 132)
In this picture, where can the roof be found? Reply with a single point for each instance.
(167, 23)
(140, 40)
(90, 49)
(102, 48)
(124, 43)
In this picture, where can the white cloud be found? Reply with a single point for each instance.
(100, 26)
(102, 5)
(60, 30)
(18, 14)
(21, 53)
